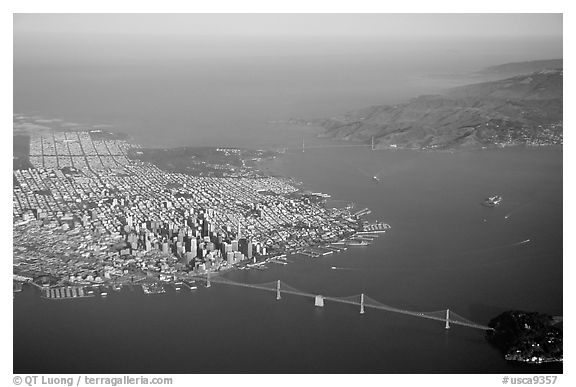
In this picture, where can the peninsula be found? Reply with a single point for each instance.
(521, 110)
(91, 208)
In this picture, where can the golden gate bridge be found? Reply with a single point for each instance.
(303, 147)
(363, 301)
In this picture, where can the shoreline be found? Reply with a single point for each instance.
(314, 247)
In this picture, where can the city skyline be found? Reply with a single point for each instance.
(288, 193)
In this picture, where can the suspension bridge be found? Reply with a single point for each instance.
(304, 147)
(363, 301)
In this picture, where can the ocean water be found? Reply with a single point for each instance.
(198, 91)
(444, 250)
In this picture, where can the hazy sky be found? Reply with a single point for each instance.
(227, 71)
(373, 25)
(68, 39)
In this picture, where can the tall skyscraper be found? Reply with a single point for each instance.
(245, 247)
(193, 247)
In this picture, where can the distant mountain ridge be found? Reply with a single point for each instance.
(525, 109)
(519, 68)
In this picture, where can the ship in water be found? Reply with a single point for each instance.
(376, 179)
(492, 201)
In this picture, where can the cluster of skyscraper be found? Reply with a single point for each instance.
(195, 242)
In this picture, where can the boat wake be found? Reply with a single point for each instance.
(496, 247)
(520, 243)
(343, 268)
(518, 208)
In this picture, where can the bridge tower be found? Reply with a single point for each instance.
(447, 319)
(372, 145)
(303, 144)
(362, 303)
(278, 290)
(208, 279)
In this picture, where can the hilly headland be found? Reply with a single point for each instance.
(523, 109)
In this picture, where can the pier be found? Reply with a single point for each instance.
(65, 292)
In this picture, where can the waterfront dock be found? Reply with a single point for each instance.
(362, 212)
(375, 228)
(190, 284)
(65, 292)
(153, 288)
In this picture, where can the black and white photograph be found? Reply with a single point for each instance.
(286, 193)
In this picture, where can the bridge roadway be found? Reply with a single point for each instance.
(329, 146)
(303, 147)
(273, 287)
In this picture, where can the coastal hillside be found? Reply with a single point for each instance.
(527, 337)
(525, 109)
(519, 68)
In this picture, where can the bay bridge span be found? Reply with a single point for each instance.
(304, 146)
(363, 301)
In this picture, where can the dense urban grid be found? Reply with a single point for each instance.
(88, 213)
